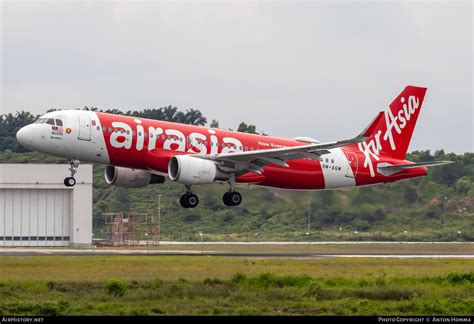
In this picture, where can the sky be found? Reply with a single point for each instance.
(309, 68)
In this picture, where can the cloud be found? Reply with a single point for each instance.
(317, 69)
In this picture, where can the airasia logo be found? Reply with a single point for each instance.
(397, 123)
(172, 139)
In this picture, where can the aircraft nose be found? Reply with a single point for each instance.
(25, 136)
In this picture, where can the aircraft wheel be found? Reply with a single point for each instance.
(183, 202)
(232, 198)
(192, 200)
(69, 182)
(189, 200)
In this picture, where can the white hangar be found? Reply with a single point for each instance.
(37, 209)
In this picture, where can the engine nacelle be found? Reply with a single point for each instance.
(130, 178)
(190, 170)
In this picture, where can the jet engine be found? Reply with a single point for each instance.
(130, 178)
(190, 170)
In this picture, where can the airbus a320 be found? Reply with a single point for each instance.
(139, 152)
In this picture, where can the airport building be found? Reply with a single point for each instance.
(37, 209)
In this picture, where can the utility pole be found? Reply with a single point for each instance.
(444, 214)
(309, 217)
(202, 244)
(159, 219)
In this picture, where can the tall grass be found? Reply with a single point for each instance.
(266, 293)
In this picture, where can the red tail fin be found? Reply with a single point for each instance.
(393, 133)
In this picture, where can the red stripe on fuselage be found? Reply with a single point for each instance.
(128, 140)
(129, 144)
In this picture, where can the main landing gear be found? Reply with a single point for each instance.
(189, 200)
(70, 181)
(230, 198)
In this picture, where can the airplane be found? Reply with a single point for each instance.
(139, 152)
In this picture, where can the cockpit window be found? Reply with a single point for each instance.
(41, 120)
(50, 121)
(59, 122)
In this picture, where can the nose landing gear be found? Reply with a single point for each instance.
(71, 181)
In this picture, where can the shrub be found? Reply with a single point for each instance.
(115, 287)
(266, 280)
(458, 278)
(381, 293)
(316, 290)
(50, 284)
(239, 278)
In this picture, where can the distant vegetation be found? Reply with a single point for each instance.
(408, 210)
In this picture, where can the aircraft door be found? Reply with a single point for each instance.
(84, 127)
(352, 164)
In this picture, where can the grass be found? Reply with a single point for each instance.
(148, 285)
(102, 268)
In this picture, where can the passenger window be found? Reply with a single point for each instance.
(59, 122)
(50, 121)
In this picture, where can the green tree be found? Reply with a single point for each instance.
(121, 200)
(191, 117)
(410, 195)
(244, 128)
(9, 126)
(463, 185)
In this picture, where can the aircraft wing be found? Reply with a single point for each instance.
(253, 161)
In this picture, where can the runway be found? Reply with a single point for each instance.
(207, 253)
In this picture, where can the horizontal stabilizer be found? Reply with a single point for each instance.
(389, 169)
